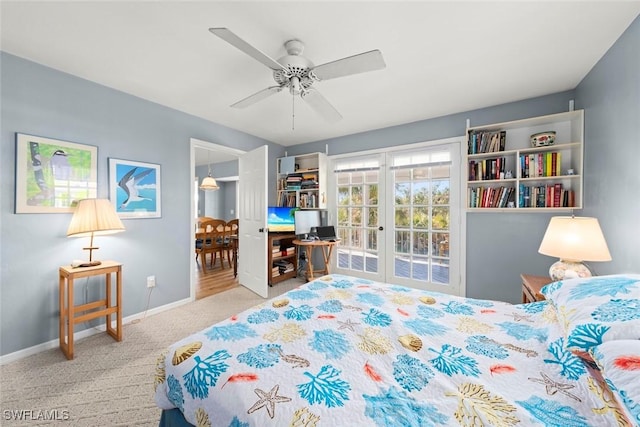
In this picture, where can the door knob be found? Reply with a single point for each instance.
(380, 228)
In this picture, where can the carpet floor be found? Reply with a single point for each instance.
(110, 383)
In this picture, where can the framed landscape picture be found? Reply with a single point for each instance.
(134, 188)
(52, 175)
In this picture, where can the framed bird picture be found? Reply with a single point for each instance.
(53, 175)
(134, 188)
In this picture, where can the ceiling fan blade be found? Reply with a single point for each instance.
(226, 35)
(321, 106)
(258, 96)
(361, 63)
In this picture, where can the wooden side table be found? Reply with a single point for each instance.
(71, 314)
(327, 248)
(531, 286)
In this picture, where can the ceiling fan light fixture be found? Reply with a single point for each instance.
(298, 74)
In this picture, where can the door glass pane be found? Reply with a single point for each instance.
(420, 217)
(421, 243)
(421, 220)
(343, 218)
(402, 191)
(372, 217)
(358, 215)
(403, 217)
(440, 218)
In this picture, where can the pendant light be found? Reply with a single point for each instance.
(209, 183)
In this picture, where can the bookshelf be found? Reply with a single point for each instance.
(518, 177)
(282, 257)
(302, 181)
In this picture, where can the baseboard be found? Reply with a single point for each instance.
(21, 354)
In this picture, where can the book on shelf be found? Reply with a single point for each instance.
(541, 164)
(545, 196)
(486, 141)
(487, 169)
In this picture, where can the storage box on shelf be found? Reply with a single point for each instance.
(283, 258)
(505, 172)
(302, 181)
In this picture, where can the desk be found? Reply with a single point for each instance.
(327, 249)
(71, 314)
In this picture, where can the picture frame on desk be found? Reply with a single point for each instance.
(135, 188)
(52, 175)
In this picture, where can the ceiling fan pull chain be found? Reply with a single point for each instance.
(293, 113)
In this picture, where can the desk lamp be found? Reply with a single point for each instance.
(573, 239)
(94, 217)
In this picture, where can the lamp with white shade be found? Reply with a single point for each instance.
(209, 183)
(94, 217)
(574, 240)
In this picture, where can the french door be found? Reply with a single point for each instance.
(398, 216)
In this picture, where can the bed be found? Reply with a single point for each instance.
(346, 351)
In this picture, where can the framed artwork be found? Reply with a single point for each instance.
(52, 175)
(134, 188)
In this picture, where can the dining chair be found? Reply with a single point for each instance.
(210, 240)
(231, 230)
(199, 222)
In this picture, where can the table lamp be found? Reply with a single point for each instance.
(94, 217)
(573, 239)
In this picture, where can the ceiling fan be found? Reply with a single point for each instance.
(298, 74)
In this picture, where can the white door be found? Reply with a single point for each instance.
(423, 218)
(398, 217)
(360, 216)
(252, 265)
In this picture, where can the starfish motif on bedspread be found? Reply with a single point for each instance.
(554, 387)
(268, 400)
(347, 325)
(520, 317)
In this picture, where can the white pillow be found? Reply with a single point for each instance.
(596, 309)
(619, 362)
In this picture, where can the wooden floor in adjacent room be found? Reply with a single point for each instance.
(214, 279)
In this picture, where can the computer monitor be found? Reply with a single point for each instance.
(280, 219)
(305, 220)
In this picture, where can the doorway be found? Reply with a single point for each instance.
(225, 279)
(398, 215)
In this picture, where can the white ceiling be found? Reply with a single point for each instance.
(441, 57)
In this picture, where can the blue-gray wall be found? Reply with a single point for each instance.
(42, 101)
(610, 95)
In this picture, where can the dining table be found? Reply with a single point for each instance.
(233, 243)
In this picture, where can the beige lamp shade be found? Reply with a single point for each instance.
(94, 217)
(209, 183)
(573, 239)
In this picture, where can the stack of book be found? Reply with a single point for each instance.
(283, 267)
(288, 251)
(308, 181)
(294, 181)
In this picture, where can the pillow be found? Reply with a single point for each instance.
(619, 363)
(593, 310)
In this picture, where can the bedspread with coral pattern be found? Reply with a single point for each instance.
(343, 351)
